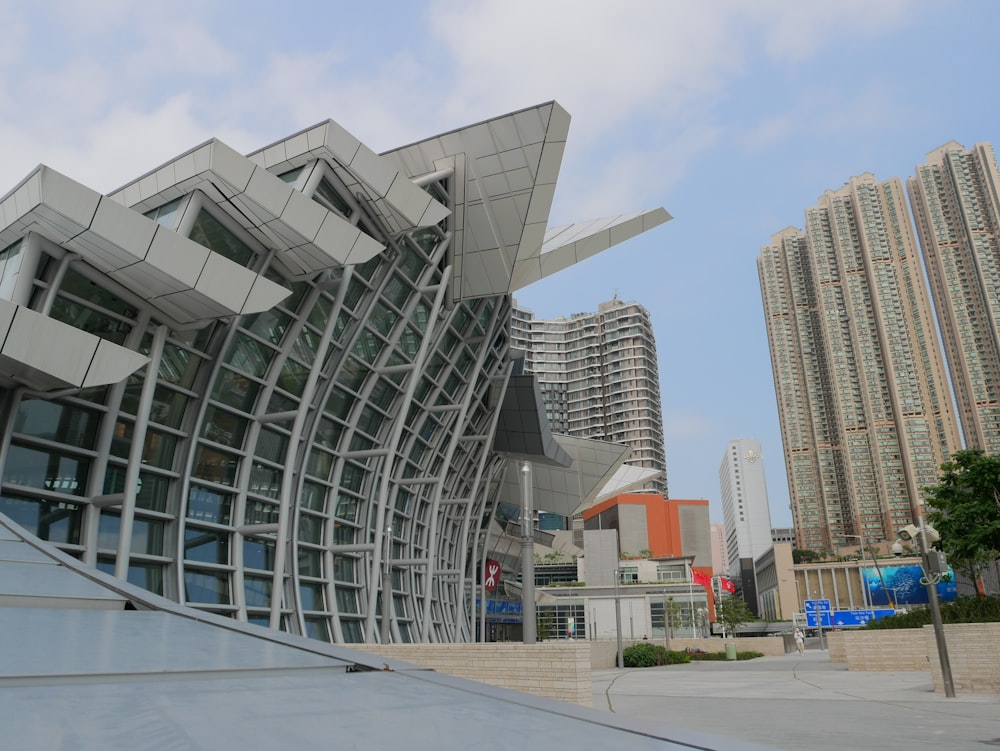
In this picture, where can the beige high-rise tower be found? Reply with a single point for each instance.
(862, 392)
(956, 204)
(600, 377)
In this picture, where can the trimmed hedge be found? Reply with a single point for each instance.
(647, 655)
(963, 609)
(713, 656)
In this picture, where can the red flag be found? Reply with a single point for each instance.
(727, 584)
(700, 578)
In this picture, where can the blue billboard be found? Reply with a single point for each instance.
(901, 585)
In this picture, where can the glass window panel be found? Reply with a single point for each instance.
(272, 446)
(235, 390)
(158, 449)
(179, 366)
(209, 587)
(328, 433)
(249, 355)
(132, 392)
(327, 196)
(167, 213)
(368, 346)
(382, 395)
(352, 478)
(147, 536)
(224, 427)
(210, 232)
(265, 480)
(168, 407)
(215, 466)
(310, 529)
(345, 568)
(258, 554)
(121, 440)
(355, 289)
(382, 319)
(209, 505)
(313, 496)
(344, 535)
(352, 631)
(340, 402)
(306, 345)
(396, 292)
(312, 596)
(79, 286)
(410, 263)
(260, 512)
(310, 562)
(292, 176)
(46, 470)
(206, 546)
(370, 421)
(317, 628)
(347, 508)
(55, 522)
(319, 315)
(347, 600)
(293, 377)
(62, 423)
(108, 531)
(270, 325)
(257, 591)
(352, 374)
(320, 464)
(149, 576)
(153, 491)
(90, 320)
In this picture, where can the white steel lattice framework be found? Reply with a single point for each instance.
(268, 386)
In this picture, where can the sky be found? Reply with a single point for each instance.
(733, 115)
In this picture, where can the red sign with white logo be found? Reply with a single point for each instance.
(492, 575)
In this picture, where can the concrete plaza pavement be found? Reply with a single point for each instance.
(803, 702)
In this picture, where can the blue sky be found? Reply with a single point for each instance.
(733, 115)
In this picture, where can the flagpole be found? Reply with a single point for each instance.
(691, 596)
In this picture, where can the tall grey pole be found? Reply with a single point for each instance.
(935, 605)
(618, 621)
(529, 628)
(386, 585)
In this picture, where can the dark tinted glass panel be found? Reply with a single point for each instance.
(272, 446)
(313, 496)
(206, 546)
(265, 480)
(257, 590)
(178, 366)
(258, 554)
(235, 390)
(90, 320)
(312, 596)
(328, 196)
(209, 231)
(270, 325)
(168, 407)
(250, 355)
(206, 587)
(149, 576)
(158, 449)
(224, 427)
(55, 522)
(209, 505)
(61, 423)
(47, 470)
(260, 512)
(215, 466)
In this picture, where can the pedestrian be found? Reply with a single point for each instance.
(800, 641)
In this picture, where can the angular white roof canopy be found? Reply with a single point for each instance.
(307, 237)
(185, 280)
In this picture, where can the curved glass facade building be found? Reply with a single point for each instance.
(269, 386)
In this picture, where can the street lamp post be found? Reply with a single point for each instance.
(930, 580)
(618, 621)
(529, 628)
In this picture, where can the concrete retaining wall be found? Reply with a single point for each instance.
(556, 670)
(973, 652)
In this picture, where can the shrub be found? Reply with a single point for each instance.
(717, 656)
(962, 610)
(646, 655)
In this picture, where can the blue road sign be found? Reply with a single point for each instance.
(859, 617)
(818, 611)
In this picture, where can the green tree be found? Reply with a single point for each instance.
(731, 613)
(805, 556)
(966, 512)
